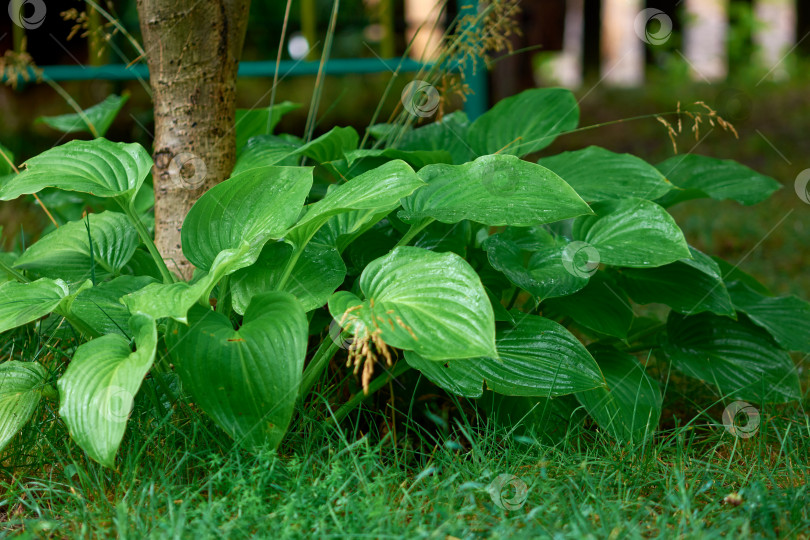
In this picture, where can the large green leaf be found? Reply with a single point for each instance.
(95, 120)
(601, 306)
(538, 357)
(377, 190)
(732, 272)
(66, 252)
(632, 232)
(378, 156)
(598, 174)
(441, 237)
(20, 391)
(249, 208)
(702, 176)
(252, 122)
(331, 145)
(689, 286)
(8, 260)
(418, 300)
(342, 229)
(247, 380)
(535, 261)
(449, 134)
(786, 318)
(317, 273)
(98, 388)
(21, 303)
(493, 190)
(160, 300)
(264, 151)
(525, 123)
(740, 359)
(100, 307)
(629, 408)
(99, 167)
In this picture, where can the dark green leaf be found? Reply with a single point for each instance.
(317, 273)
(20, 384)
(449, 134)
(252, 122)
(65, 252)
(601, 306)
(249, 208)
(100, 307)
(493, 190)
(21, 303)
(430, 303)
(265, 151)
(95, 120)
(738, 358)
(597, 174)
(786, 318)
(378, 190)
(415, 158)
(537, 357)
(689, 286)
(99, 386)
(734, 273)
(331, 145)
(99, 167)
(525, 123)
(702, 176)
(632, 232)
(537, 262)
(629, 408)
(247, 380)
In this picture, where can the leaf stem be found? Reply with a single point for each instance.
(77, 323)
(298, 249)
(224, 298)
(642, 347)
(13, 273)
(400, 368)
(514, 298)
(315, 368)
(146, 238)
(415, 229)
(647, 332)
(49, 392)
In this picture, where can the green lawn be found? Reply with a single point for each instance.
(179, 476)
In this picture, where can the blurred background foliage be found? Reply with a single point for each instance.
(772, 116)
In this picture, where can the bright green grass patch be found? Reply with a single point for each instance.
(179, 476)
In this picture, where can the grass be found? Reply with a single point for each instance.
(178, 476)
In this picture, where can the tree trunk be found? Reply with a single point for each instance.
(193, 53)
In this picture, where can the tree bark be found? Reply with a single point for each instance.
(193, 51)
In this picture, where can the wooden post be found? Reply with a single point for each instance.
(622, 48)
(705, 34)
(775, 34)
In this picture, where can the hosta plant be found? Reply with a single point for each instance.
(438, 249)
